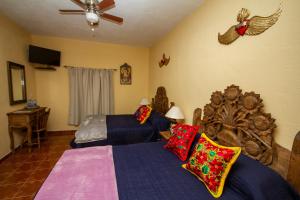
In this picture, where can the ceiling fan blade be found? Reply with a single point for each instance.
(113, 18)
(72, 11)
(79, 3)
(106, 4)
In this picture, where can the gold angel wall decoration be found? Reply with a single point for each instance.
(253, 26)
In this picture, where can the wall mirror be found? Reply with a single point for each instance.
(16, 83)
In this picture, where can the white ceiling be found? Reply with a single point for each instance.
(145, 21)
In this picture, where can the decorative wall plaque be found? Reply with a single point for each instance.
(125, 74)
(164, 61)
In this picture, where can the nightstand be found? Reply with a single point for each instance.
(165, 135)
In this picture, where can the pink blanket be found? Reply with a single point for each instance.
(85, 174)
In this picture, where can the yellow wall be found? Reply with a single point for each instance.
(267, 64)
(52, 86)
(13, 47)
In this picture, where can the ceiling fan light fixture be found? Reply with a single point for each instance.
(92, 17)
(94, 10)
(91, 2)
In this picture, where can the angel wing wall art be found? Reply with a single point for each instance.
(253, 26)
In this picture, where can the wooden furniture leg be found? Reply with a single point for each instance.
(11, 135)
(29, 135)
(39, 141)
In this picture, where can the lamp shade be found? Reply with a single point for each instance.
(144, 101)
(175, 113)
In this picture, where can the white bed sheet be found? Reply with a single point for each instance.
(92, 129)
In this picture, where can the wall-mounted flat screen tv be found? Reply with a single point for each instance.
(44, 56)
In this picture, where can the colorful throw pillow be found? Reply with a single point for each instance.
(211, 163)
(181, 140)
(137, 112)
(144, 113)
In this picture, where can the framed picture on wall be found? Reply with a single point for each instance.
(125, 74)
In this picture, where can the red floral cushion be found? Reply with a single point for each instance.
(182, 139)
(211, 163)
(137, 112)
(144, 113)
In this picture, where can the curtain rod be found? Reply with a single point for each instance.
(66, 66)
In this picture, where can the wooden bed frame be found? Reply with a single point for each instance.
(160, 102)
(234, 118)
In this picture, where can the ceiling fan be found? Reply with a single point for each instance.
(93, 10)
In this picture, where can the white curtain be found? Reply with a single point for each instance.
(91, 93)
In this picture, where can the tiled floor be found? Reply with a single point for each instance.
(22, 174)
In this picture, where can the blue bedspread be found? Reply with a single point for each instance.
(149, 172)
(125, 129)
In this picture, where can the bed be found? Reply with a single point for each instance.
(147, 171)
(124, 129)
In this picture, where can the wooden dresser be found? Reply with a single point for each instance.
(23, 118)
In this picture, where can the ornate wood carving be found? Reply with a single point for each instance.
(160, 102)
(234, 118)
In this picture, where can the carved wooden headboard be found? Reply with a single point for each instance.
(234, 118)
(160, 102)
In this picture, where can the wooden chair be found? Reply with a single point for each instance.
(40, 125)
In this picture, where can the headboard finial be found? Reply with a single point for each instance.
(160, 102)
(294, 172)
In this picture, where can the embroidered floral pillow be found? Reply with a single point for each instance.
(137, 112)
(144, 113)
(211, 163)
(182, 139)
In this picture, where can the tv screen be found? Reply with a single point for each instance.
(44, 56)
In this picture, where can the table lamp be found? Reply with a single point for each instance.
(144, 101)
(176, 114)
